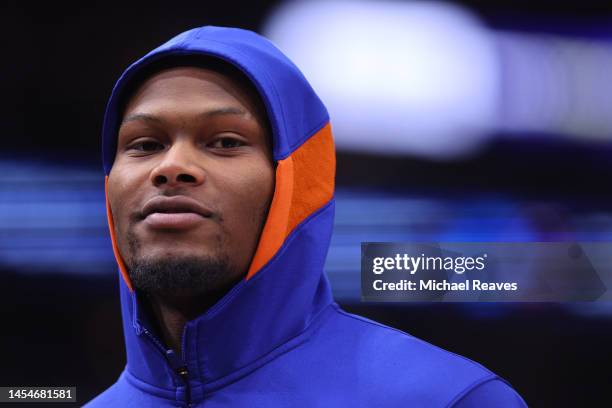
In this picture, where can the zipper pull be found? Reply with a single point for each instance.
(175, 361)
(182, 371)
(180, 368)
(177, 364)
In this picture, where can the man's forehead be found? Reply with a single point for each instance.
(195, 85)
(227, 77)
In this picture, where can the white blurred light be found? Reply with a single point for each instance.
(397, 77)
(426, 78)
(556, 85)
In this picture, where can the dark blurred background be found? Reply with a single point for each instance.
(477, 121)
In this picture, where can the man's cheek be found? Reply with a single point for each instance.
(116, 216)
(120, 222)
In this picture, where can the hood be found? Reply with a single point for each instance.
(285, 287)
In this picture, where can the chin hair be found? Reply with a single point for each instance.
(178, 275)
(189, 275)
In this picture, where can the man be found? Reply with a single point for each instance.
(220, 177)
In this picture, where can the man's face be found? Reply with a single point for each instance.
(192, 181)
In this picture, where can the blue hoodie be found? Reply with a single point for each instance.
(277, 338)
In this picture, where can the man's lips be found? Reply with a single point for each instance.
(175, 212)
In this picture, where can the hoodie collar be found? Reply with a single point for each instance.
(255, 321)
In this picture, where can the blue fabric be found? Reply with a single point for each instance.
(279, 339)
(492, 393)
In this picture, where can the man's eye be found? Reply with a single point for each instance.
(147, 146)
(226, 143)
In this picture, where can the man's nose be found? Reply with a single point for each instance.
(178, 166)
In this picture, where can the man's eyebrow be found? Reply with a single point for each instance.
(144, 117)
(213, 112)
(224, 111)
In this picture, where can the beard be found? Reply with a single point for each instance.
(178, 275)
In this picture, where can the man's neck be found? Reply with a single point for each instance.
(173, 312)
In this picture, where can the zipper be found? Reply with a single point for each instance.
(177, 364)
(183, 371)
(185, 376)
(179, 367)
